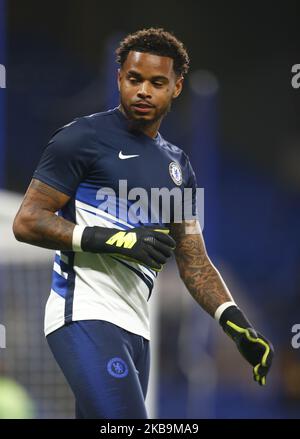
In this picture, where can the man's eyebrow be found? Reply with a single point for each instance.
(153, 78)
(134, 73)
(160, 78)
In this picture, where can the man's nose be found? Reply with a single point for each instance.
(144, 90)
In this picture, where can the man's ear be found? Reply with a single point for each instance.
(178, 87)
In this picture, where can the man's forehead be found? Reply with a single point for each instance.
(150, 63)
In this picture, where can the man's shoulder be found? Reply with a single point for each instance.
(83, 126)
(177, 151)
(101, 116)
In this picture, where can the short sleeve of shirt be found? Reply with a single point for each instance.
(190, 193)
(67, 157)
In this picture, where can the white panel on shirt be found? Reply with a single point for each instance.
(105, 289)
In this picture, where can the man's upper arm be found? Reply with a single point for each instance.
(63, 165)
(68, 157)
(39, 197)
(36, 222)
(42, 196)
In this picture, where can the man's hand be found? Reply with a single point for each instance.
(254, 347)
(145, 245)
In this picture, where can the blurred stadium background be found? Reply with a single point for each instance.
(238, 119)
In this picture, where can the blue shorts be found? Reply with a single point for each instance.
(107, 368)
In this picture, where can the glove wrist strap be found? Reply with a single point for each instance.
(91, 239)
(94, 238)
(234, 315)
(221, 309)
(77, 237)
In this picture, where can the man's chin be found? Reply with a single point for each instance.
(142, 118)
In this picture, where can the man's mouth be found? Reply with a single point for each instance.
(142, 107)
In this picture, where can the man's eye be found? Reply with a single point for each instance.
(158, 84)
(133, 80)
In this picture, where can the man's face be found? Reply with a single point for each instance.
(147, 85)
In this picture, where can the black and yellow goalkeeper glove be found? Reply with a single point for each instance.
(253, 346)
(145, 245)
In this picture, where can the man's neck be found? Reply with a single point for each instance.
(149, 130)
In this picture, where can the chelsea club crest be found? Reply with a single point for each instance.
(175, 173)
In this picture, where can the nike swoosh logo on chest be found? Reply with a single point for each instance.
(124, 157)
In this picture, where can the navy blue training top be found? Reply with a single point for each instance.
(88, 158)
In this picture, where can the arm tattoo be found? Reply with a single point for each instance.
(51, 231)
(44, 189)
(201, 278)
(38, 221)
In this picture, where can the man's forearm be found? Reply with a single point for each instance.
(206, 286)
(44, 229)
(200, 276)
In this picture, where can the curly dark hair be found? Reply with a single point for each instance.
(156, 41)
